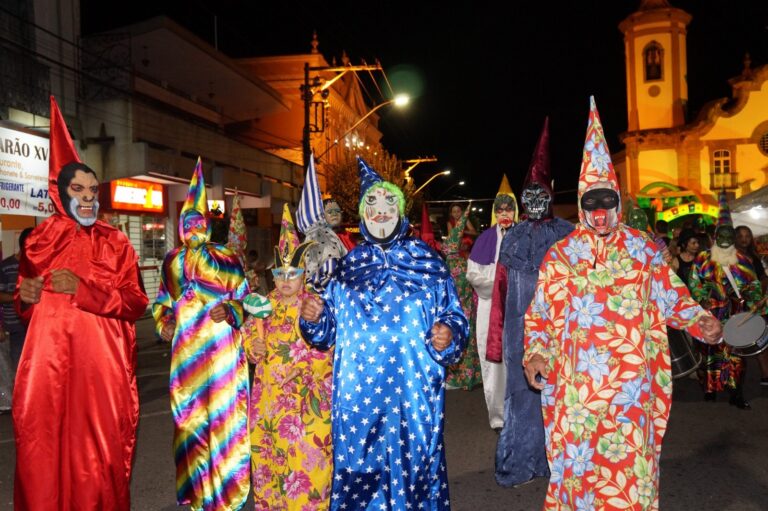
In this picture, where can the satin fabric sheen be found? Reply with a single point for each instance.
(209, 376)
(388, 380)
(520, 454)
(75, 403)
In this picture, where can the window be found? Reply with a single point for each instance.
(723, 176)
(721, 162)
(653, 60)
(763, 143)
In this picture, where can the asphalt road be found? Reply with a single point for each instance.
(715, 456)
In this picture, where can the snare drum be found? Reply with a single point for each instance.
(682, 355)
(746, 333)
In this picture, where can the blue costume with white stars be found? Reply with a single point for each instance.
(388, 379)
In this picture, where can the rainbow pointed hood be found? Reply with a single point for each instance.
(196, 201)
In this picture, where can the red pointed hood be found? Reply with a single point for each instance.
(426, 233)
(539, 169)
(62, 152)
(596, 166)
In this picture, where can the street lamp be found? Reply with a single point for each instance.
(454, 185)
(443, 173)
(399, 101)
(412, 165)
(308, 91)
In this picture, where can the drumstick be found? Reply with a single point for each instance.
(752, 311)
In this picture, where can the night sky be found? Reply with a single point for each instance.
(487, 76)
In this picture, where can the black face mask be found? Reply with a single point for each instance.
(600, 198)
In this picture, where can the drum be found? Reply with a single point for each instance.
(683, 357)
(746, 333)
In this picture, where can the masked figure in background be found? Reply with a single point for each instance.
(481, 272)
(427, 234)
(466, 374)
(291, 396)
(520, 452)
(75, 404)
(724, 281)
(333, 216)
(596, 335)
(199, 309)
(394, 317)
(326, 249)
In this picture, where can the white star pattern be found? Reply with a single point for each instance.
(388, 388)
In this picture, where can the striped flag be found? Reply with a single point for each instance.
(311, 209)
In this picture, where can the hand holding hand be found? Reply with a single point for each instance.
(441, 336)
(30, 289)
(711, 329)
(311, 308)
(166, 333)
(218, 313)
(536, 365)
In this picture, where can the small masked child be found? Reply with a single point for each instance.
(291, 395)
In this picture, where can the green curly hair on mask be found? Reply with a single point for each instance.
(391, 188)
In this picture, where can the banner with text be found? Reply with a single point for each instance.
(24, 174)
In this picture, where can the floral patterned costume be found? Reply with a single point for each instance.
(290, 417)
(466, 374)
(599, 319)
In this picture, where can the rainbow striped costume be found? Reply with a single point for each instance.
(209, 372)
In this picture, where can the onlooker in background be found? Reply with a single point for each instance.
(469, 234)
(662, 231)
(689, 249)
(745, 243)
(258, 281)
(9, 274)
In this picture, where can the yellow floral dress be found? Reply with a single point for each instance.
(290, 416)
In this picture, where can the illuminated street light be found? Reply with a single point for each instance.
(443, 173)
(412, 165)
(399, 101)
(454, 185)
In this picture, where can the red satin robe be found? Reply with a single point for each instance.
(75, 403)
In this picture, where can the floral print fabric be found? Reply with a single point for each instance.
(599, 319)
(290, 416)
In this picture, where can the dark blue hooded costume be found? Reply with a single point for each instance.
(388, 380)
(520, 452)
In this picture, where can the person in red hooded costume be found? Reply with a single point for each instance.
(75, 404)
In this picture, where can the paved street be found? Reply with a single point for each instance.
(715, 457)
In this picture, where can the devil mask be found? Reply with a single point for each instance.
(537, 202)
(79, 191)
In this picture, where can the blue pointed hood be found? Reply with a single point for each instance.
(368, 177)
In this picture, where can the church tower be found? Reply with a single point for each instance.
(655, 54)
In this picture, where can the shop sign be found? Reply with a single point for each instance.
(24, 174)
(134, 195)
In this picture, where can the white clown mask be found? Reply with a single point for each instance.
(381, 212)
